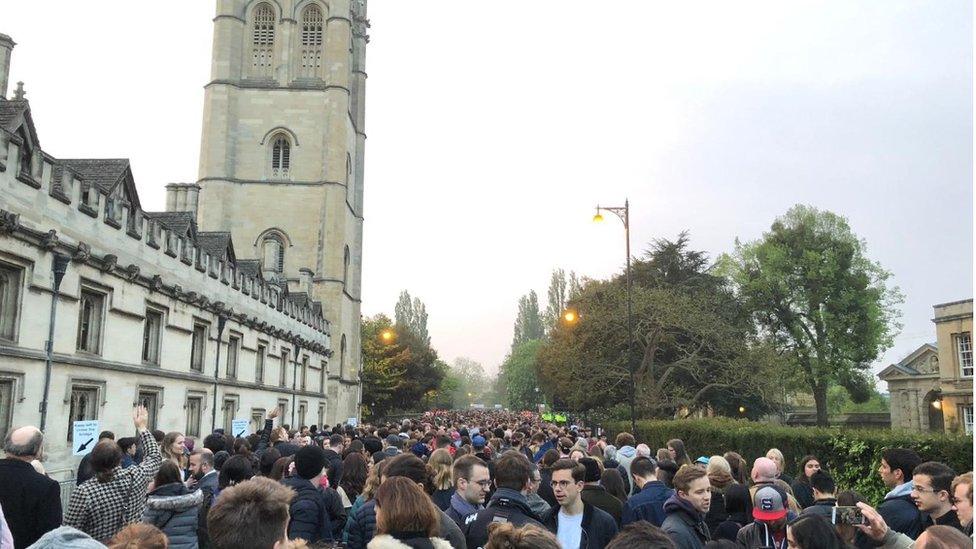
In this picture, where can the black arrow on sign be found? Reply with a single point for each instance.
(85, 445)
(241, 434)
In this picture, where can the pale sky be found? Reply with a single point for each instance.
(495, 128)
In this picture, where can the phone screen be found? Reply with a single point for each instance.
(847, 515)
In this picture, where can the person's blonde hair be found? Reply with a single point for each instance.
(780, 459)
(718, 464)
(139, 535)
(503, 535)
(402, 506)
(441, 463)
(967, 479)
(373, 480)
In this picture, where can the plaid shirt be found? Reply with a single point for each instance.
(101, 509)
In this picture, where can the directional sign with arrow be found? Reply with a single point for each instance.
(84, 434)
(240, 427)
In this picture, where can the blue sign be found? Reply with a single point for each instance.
(84, 437)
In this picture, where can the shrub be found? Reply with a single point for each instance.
(850, 455)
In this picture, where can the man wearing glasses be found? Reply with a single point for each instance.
(471, 487)
(933, 480)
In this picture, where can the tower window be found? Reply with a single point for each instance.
(274, 254)
(342, 357)
(311, 55)
(280, 157)
(345, 266)
(262, 40)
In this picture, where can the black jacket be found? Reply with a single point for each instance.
(803, 494)
(902, 515)
(335, 467)
(315, 515)
(684, 525)
(598, 526)
(506, 505)
(545, 488)
(31, 502)
(207, 485)
(598, 497)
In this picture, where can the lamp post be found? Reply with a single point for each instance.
(59, 266)
(624, 214)
(294, 380)
(221, 320)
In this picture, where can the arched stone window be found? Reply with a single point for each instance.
(262, 41)
(312, 38)
(345, 266)
(342, 357)
(273, 253)
(280, 156)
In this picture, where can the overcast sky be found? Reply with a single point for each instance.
(495, 128)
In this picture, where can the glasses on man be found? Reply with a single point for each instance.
(482, 483)
(562, 483)
(924, 490)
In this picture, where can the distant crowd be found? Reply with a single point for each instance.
(473, 479)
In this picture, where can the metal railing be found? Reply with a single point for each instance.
(67, 487)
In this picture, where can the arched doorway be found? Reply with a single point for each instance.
(933, 403)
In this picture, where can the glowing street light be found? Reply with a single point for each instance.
(742, 409)
(387, 335)
(570, 316)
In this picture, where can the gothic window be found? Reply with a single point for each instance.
(311, 55)
(280, 157)
(345, 266)
(262, 40)
(342, 357)
(90, 321)
(152, 331)
(9, 301)
(273, 250)
(83, 405)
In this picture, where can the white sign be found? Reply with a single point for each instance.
(352, 422)
(84, 437)
(240, 427)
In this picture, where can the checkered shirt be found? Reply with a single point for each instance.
(101, 509)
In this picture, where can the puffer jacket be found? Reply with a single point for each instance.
(389, 542)
(308, 512)
(175, 510)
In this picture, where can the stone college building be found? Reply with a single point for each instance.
(243, 295)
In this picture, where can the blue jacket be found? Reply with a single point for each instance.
(647, 504)
(900, 513)
(309, 512)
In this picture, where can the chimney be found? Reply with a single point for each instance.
(182, 197)
(305, 276)
(6, 48)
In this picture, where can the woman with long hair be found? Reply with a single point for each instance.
(172, 508)
(614, 483)
(369, 490)
(405, 517)
(813, 532)
(173, 450)
(678, 453)
(440, 463)
(780, 460)
(354, 473)
(802, 490)
(720, 478)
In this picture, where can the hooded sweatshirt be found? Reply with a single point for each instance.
(625, 456)
(900, 513)
(66, 537)
(684, 524)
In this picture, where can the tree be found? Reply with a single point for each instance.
(561, 290)
(411, 315)
(819, 300)
(518, 373)
(528, 323)
(403, 373)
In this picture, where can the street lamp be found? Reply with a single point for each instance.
(570, 316)
(624, 214)
(387, 335)
(59, 266)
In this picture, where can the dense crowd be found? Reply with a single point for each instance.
(474, 479)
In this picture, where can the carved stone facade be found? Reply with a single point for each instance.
(196, 311)
(931, 389)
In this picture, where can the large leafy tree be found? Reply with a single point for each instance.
(518, 373)
(819, 300)
(411, 315)
(562, 289)
(402, 373)
(528, 323)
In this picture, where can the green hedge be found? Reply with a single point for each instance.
(850, 455)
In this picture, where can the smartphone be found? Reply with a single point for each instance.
(847, 515)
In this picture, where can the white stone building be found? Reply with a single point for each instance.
(224, 305)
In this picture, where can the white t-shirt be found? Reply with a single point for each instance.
(570, 530)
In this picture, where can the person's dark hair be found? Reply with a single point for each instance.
(512, 471)
(721, 544)
(464, 466)
(814, 532)
(577, 469)
(354, 473)
(219, 459)
(214, 442)
(372, 445)
(280, 468)
(823, 482)
(106, 456)
(504, 535)
(106, 435)
(402, 506)
(158, 435)
(125, 443)
(945, 537)
(901, 459)
(236, 470)
(686, 475)
(139, 535)
(849, 498)
(940, 473)
(680, 454)
(641, 535)
(802, 476)
(549, 457)
(168, 473)
(740, 469)
(268, 459)
(625, 439)
(410, 466)
(643, 467)
(31, 448)
(614, 484)
(250, 514)
(336, 440)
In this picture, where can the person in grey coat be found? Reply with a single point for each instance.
(173, 509)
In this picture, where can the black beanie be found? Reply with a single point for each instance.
(309, 462)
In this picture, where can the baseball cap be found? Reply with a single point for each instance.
(702, 459)
(478, 441)
(768, 504)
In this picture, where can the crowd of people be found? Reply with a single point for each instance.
(473, 479)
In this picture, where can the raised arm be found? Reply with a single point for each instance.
(266, 432)
(153, 459)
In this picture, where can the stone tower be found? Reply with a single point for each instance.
(281, 156)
